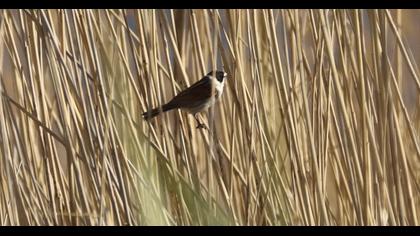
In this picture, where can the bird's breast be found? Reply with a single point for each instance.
(218, 86)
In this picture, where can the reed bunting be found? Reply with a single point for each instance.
(196, 98)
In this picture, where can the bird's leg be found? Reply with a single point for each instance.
(199, 124)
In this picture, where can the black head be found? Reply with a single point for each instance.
(220, 75)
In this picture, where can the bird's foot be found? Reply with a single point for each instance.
(202, 126)
(199, 124)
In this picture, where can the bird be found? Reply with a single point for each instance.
(196, 98)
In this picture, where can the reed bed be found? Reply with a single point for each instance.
(319, 121)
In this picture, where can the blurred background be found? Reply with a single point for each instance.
(318, 124)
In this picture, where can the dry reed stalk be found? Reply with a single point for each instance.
(318, 124)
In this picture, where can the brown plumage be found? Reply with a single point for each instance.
(198, 97)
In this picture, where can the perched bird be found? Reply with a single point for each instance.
(196, 98)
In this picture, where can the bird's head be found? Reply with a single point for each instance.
(220, 75)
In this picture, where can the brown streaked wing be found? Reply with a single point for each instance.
(199, 91)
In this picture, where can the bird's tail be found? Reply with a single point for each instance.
(156, 111)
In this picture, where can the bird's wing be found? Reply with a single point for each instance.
(199, 91)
